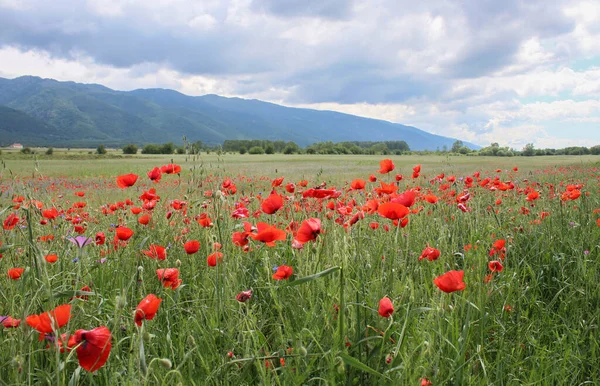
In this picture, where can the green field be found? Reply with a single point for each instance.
(533, 322)
(62, 163)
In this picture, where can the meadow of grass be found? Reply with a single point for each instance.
(533, 322)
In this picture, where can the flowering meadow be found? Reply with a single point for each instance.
(296, 270)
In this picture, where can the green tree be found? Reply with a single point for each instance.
(528, 150)
(595, 150)
(167, 148)
(270, 149)
(101, 149)
(256, 150)
(196, 147)
(290, 148)
(456, 146)
(151, 149)
(243, 150)
(50, 151)
(130, 149)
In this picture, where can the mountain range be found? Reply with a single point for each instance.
(46, 112)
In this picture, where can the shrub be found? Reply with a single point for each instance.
(243, 150)
(26, 150)
(151, 149)
(167, 148)
(130, 149)
(256, 150)
(101, 150)
(50, 151)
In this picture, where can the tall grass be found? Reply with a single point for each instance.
(536, 322)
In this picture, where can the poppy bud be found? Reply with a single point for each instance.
(140, 269)
(121, 302)
(341, 369)
(147, 336)
(178, 263)
(191, 341)
(303, 351)
(166, 363)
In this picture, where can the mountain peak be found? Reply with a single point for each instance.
(91, 114)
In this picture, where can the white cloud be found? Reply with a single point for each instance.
(480, 71)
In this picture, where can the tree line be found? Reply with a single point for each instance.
(260, 146)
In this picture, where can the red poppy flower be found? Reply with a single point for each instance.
(386, 166)
(392, 210)
(240, 211)
(156, 252)
(499, 244)
(147, 309)
(15, 273)
(144, 219)
(451, 281)
(85, 288)
(532, 196)
(126, 180)
(277, 182)
(204, 220)
(574, 195)
(51, 258)
(191, 247)
(50, 214)
(43, 322)
(358, 184)
(386, 188)
(243, 296)
(372, 178)
(10, 322)
(169, 277)
(155, 174)
(495, 266)
(321, 193)
(171, 169)
(11, 221)
(430, 198)
(386, 308)
(309, 230)
(212, 259)
(430, 254)
(272, 203)
(268, 234)
(124, 233)
(283, 272)
(100, 238)
(93, 347)
(498, 248)
(290, 188)
(407, 198)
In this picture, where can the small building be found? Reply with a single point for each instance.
(16, 146)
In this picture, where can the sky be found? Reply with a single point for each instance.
(484, 71)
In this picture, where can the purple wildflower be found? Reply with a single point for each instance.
(81, 241)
